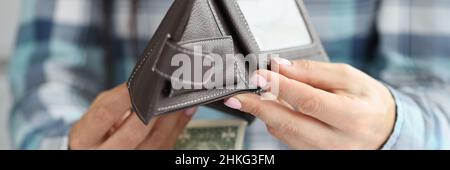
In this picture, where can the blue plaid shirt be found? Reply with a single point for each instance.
(58, 67)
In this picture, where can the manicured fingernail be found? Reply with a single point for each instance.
(233, 103)
(190, 112)
(258, 80)
(282, 61)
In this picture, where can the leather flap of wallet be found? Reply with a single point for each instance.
(184, 40)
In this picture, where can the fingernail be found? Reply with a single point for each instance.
(190, 112)
(282, 61)
(233, 103)
(258, 80)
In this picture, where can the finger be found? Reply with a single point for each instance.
(118, 124)
(326, 76)
(129, 135)
(106, 110)
(179, 128)
(280, 118)
(327, 107)
(293, 141)
(163, 128)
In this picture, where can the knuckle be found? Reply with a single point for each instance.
(104, 113)
(274, 132)
(305, 65)
(288, 128)
(103, 95)
(285, 88)
(255, 110)
(310, 106)
(345, 69)
(101, 98)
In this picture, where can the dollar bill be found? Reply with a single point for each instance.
(213, 135)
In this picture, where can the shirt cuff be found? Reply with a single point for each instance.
(400, 113)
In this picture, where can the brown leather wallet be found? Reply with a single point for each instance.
(219, 27)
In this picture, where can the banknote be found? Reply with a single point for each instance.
(213, 135)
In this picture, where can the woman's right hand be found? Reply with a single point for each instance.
(109, 124)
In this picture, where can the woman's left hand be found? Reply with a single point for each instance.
(322, 106)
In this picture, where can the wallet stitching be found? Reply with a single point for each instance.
(240, 76)
(241, 16)
(238, 68)
(208, 40)
(193, 101)
(180, 49)
(216, 19)
(187, 51)
(145, 59)
(147, 54)
(176, 79)
(240, 73)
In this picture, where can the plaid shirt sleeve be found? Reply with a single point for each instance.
(414, 44)
(56, 71)
(404, 43)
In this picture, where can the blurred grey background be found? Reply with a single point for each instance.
(9, 19)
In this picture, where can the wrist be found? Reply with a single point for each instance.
(392, 139)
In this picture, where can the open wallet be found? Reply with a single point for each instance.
(198, 29)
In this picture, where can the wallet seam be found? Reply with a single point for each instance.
(241, 16)
(214, 39)
(193, 101)
(180, 49)
(216, 19)
(138, 68)
(145, 59)
(236, 67)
